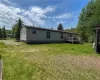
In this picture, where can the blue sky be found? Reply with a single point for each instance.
(43, 13)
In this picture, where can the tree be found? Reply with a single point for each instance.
(96, 16)
(74, 30)
(14, 28)
(0, 34)
(4, 35)
(17, 27)
(60, 27)
(85, 26)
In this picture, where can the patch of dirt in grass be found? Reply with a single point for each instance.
(10, 42)
(66, 61)
(65, 66)
(86, 62)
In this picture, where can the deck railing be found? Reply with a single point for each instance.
(72, 39)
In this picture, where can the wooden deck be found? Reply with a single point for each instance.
(72, 39)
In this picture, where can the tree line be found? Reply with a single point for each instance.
(3, 34)
(15, 32)
(16, 28)
(88, 19)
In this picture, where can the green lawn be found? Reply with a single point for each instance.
(49, 61)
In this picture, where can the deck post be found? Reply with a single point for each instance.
(72, 39)
(97, 39)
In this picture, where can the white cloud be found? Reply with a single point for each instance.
(8, 2)
(65, 16)
(39, 10)
(61, 17)
(62, 22)
(35, 15)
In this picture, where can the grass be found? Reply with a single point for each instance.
(49, 61)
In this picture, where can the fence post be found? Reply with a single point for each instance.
(1, 67)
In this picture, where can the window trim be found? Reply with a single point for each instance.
(48, 35)
(61, 36)
(34, 32)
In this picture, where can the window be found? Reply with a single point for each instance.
(70, 35)
(33, 31)
(48, 35)
(61, 35)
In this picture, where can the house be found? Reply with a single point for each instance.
(32, 34)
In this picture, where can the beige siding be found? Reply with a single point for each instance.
(41, 36)
(23, 34)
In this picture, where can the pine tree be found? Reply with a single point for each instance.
(18, 27)
(14, 30)
(0, 34)
(4, 35)
(60, 27)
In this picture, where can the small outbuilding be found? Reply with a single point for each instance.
(32, 34)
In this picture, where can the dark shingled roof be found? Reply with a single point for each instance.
(39, 28)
